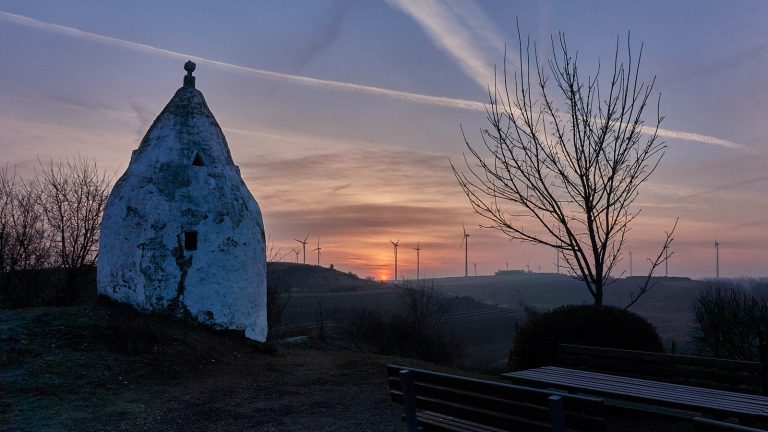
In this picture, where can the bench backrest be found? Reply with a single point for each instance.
(495, 404)
(732, 375)
(709, 425)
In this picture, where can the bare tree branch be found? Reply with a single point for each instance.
(566, 155)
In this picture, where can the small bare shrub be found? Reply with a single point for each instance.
(278, 297)
(731, 322)
(416, 328)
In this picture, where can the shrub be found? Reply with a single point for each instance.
(416, 328)
(601, 326)
(730, 322)
(278, 297)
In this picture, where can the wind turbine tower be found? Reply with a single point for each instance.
(297, 252)
(557, 251)
(630, 263)
(417, 249)
(304, 246)
(717, 259)
(666, 261)
(395, 244)
(465, 242)
(318, 251)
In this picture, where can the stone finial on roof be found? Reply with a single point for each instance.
(189, 80)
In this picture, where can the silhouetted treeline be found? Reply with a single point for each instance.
(49, 230)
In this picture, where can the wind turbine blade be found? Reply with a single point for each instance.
(305, 238)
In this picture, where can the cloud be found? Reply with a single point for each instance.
(314, 82)
(144, 115)
(460, 46)
(459, 29)
(326, 35)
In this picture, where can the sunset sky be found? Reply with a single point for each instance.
(343, 115)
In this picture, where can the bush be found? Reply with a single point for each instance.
(730, 322)
(601, 326)
(416, 328)
(278, 297)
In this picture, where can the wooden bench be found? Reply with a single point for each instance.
(438, 401)
(719, 404)
(709, 425)
(731, 375)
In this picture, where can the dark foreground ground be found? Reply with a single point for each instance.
(75, 369)
(102, 367)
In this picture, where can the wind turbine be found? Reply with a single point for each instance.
(630, 263)
(395, 244)
(417, 249)
(717, 259)
(304, 246)
(297, 254)
(666, 261)
(557, 251)
(475, 269)
(465, 242)
(318, 248)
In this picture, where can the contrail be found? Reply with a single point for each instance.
(703, 139)
(461, 30)
(135, 46)
(335, 85)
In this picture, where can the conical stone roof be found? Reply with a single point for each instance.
(182, 233)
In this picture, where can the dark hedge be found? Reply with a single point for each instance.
(601, 326)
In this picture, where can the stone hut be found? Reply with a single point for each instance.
(181, 233)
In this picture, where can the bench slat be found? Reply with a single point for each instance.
(491, 404)
(716, 402)
(708, 425)
(742, 376)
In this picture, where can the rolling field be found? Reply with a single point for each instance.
(486, 309)
(486, 330)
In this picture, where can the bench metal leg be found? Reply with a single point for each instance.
(409, 400)
(556, 413)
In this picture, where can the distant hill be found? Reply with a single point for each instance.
(315, 279)
(668, 305)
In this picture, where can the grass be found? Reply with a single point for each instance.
(62, 370)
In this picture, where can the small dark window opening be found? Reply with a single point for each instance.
(197, 161)
(190, 240)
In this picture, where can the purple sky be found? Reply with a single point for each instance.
(343, 115)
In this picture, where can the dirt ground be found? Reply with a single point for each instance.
(104, 367)
(75, 369)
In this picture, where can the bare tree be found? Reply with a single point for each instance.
(24, 248)
(73, 193)
(731, 322)
(274, 253)
(7, 192)
(566, 155)
(30, 247)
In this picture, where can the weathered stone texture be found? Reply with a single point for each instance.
(180, 181)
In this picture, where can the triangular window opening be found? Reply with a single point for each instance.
(197, 161)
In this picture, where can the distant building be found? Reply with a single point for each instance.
(181, 233)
